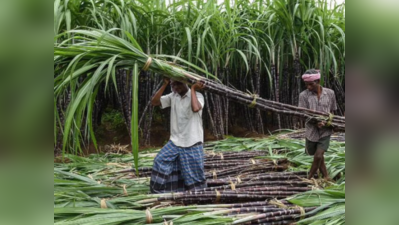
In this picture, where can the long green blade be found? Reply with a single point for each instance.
(135, 117)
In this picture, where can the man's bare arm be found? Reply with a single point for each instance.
(156, 100)
(195, 104)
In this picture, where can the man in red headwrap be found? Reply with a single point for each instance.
(321, 99)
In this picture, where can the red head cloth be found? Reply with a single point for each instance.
(311, 77)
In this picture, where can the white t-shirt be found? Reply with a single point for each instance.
(185, 125)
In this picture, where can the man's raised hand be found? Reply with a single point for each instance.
(199, 85)
(166, 80)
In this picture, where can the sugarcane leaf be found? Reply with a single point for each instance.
(189, 42)
(244, 58)
(75, 74)
(76, 176)
(109, 70)
(134, 122)
(330, 213)
(134, 42)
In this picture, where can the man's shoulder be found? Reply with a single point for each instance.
(199, 94)
(329, 91)
(170, 95)
(304, 93)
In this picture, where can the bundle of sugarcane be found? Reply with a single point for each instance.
(271, 179)
(277, 147)
(211, 156)
(255, 101)
(277, 212)
(104, 52)
(282, 215)
(330, 204)
(270, 204)
(249, 212)
(224, 164)
(222, 196)
(258, 211)
(245, 169)
(76, 216)
(227, 164)
(235, 144)
(235, 191)
(300, 134)
(219, 166)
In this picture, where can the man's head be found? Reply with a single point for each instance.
(179, 87)
(312, 79)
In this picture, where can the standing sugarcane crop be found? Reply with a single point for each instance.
(321, 99)
(179, 165)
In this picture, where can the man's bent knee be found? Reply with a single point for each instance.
(319, 155)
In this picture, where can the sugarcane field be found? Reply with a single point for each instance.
(175, 112)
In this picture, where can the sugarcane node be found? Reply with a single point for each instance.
(218, 195)
(124, 190)
(103, 204)
(148, 216)
(147, 64)
(214, 175)
(278, 203)
(316, 184)
(232, 185)
(301, 209)
(192, 81)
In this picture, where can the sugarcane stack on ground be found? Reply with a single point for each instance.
(229, 163)
(235, 177)
(245, 186)
(238, 177)
(240, 186)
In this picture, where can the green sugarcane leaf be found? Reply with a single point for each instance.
(134, 122)
(189, 42)
(244, 58)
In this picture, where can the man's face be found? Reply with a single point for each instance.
(178, 87)
(312, 85)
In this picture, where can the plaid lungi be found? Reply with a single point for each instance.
(178, 169)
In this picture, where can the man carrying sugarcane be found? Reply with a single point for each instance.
(179, 166)
(321, 99)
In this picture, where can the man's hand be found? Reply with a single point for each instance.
(321, 124)
(198, 86)
(156, 100)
